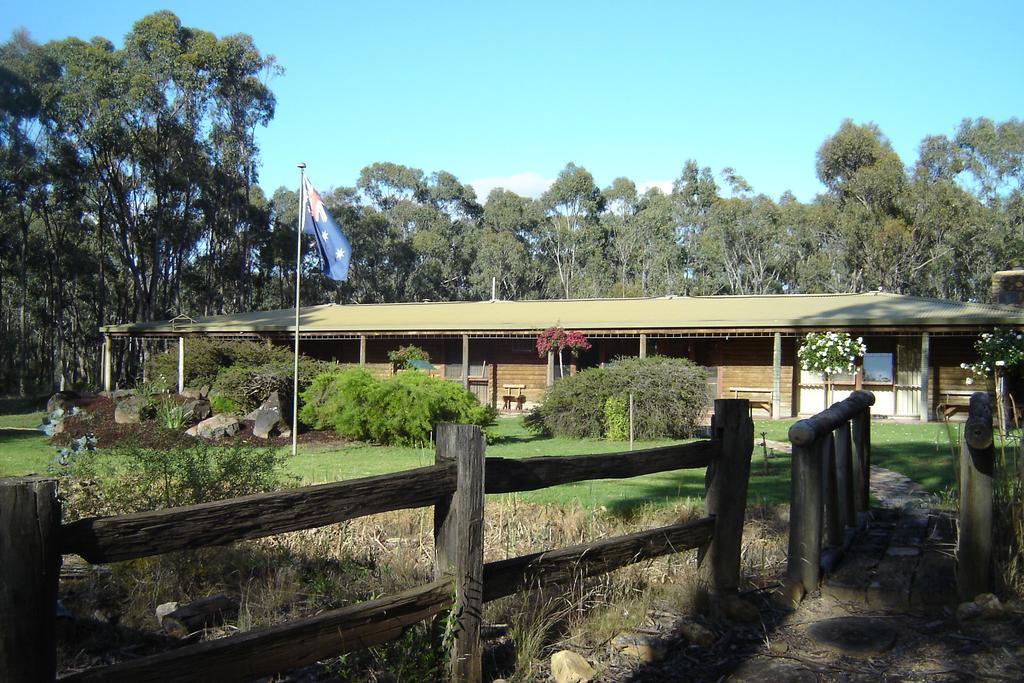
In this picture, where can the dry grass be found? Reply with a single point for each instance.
(298, 574)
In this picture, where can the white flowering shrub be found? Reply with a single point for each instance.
(830, 353)
(1001, 349)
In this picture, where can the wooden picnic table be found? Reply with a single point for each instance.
(953, 401)
(756, 398)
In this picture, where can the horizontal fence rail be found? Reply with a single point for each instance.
(126, 537)
(536, 570)
(506, 475)
(250, 655)
(455, 486)
(830, 484)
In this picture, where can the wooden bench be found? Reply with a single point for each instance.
(953, 401)
(756, 396)
(509, 397)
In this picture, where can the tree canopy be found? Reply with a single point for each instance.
(129, 191)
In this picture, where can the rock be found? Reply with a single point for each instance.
(853, 636)
(695, 633)
(191, 392)
(62, 400)
(215, 427)
(735, 608)
(273, 402)
(133, 410)
(778, 647)
(966, 611)
(266, 422)
(569, 667)
(990, 606)
(197, 409)
(286, 433)
(184, 620)
(118, 394)
(644, 648)
(163, 610)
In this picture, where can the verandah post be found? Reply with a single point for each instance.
(458, 543)
(974, 544)
(29, 573)
(728, 476)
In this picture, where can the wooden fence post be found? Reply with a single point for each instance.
(458, 544)
(728, 476)
(861, 425)
(830, 486)
(844, 475)
(29, 572)
(805, 518)
(974, 545)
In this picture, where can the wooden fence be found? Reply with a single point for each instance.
(830, 485)
(974, 538)
(32, 541)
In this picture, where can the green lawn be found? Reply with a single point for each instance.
(919, 451)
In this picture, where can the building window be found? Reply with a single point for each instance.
(878, 368)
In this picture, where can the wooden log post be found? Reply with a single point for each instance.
(861, 428)
(830, 486)
(974, 545)
(805, 518)
(458, 544)
(728, 476)
(29, 572)
(844, 475)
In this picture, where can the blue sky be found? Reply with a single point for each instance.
(509, 93)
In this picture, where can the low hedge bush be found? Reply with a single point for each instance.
(670, 398)
(401, 410)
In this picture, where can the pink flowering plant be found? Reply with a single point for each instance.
(829, 354)
(557, 339)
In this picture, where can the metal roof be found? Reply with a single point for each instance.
(665, 314)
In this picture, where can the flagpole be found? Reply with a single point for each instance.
(298, 276)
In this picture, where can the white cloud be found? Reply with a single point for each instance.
(528, 184)
(663, 185)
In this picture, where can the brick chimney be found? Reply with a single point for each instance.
(1008, 287)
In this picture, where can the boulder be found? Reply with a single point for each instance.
(273, 402)
(266, 422)
(133, 410)
(569, 667)
(695, 633)
(736, 609)
(196, 392)
(62, 400)
(215, 427)
(197, 409)
(645, 648)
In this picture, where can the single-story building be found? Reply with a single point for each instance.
(747, 343)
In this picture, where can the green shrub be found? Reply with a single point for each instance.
(616, 418)
(249, 385)
(400, 410)
(206, 358)
(670, 399)
(129, 478)
(223, 404)
(339, 400)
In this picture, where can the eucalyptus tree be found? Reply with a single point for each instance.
(504, 252)
(570, 236)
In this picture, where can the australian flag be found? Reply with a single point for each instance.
(335, 251)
